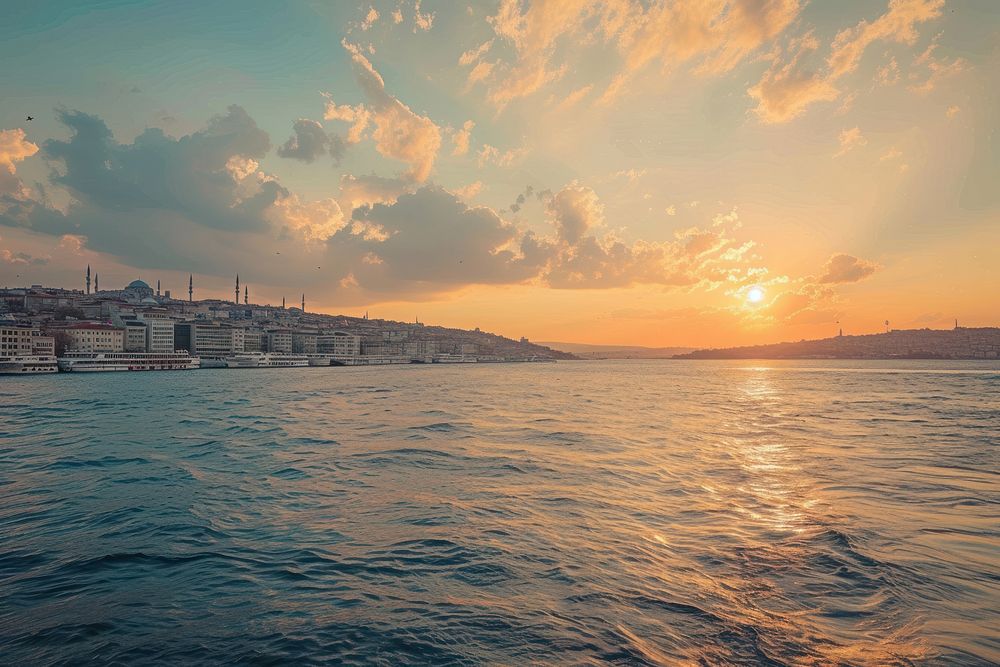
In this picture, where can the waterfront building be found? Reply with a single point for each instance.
(18, 340)
(90, 337)
(208, 339)
(279, 340)
(159, 332)
(254, 340)
(135, 336)
(303, 342)
(339, 344)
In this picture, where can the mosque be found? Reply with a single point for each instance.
(138, 291)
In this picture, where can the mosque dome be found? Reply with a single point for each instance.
(138, 284)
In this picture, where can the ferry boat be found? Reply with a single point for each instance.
(27, 364)
(319, 359)
(447, 358)
(78, 362)
(266, 360)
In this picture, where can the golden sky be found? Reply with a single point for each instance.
(706, 172)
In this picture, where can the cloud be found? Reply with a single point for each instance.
(891, 154)
(22, 258)
(936, 69)
(14, 147)
(888, 74)
(311, 141)
(787, 88)
(433, 241)
(793, 83)
(399, 133)
(952, 111)
(358, 191)
(73, 242)
(370, 18)
(473, 55)
(492, 155)
(573, 98)
(897, 24)
(849, 140)
(470, 190)
(198, 201)
(422, 21)
(574, 211)
(841, 268)
(461, 138)
(717, 34)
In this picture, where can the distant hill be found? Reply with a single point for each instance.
(957, 343)
(585, 351)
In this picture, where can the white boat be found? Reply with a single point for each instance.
(447, 358)
(266, 360)
(78, 362)
(28, 364)
(319, 359)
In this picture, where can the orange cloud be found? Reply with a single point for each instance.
(14, 147)
(841, 268)
(788, 88)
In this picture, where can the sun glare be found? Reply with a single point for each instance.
(755, 295)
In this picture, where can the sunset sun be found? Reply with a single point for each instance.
(755, 295)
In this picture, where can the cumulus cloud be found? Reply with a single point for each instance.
(21, 258)
(432, 240)
(461, 138)
(841, 268)
(198, 201)
(14, 147)
(399, 132)
(574, 211)
(310, 142)
(358, 191)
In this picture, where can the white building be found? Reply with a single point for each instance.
(159, 335)
(19, 341)
(135, 336)
(339, 345)
(92, 337)
(279, 340)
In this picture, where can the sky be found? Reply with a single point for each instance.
(692, 173)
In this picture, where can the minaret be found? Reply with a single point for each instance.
(88, 279)
(237, 302)
(303, 302)
(282, 303)
(190, 287)
(157, 287)
(96, 288)
(246, 294)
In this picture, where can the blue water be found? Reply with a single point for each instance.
(655, 512)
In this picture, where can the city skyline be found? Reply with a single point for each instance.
(730, 175)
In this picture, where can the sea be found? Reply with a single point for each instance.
(811, 512)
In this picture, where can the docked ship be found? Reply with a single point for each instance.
(266, 360)
(127, 361)
(27, 364)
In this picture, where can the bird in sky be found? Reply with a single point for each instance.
(30, 118)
